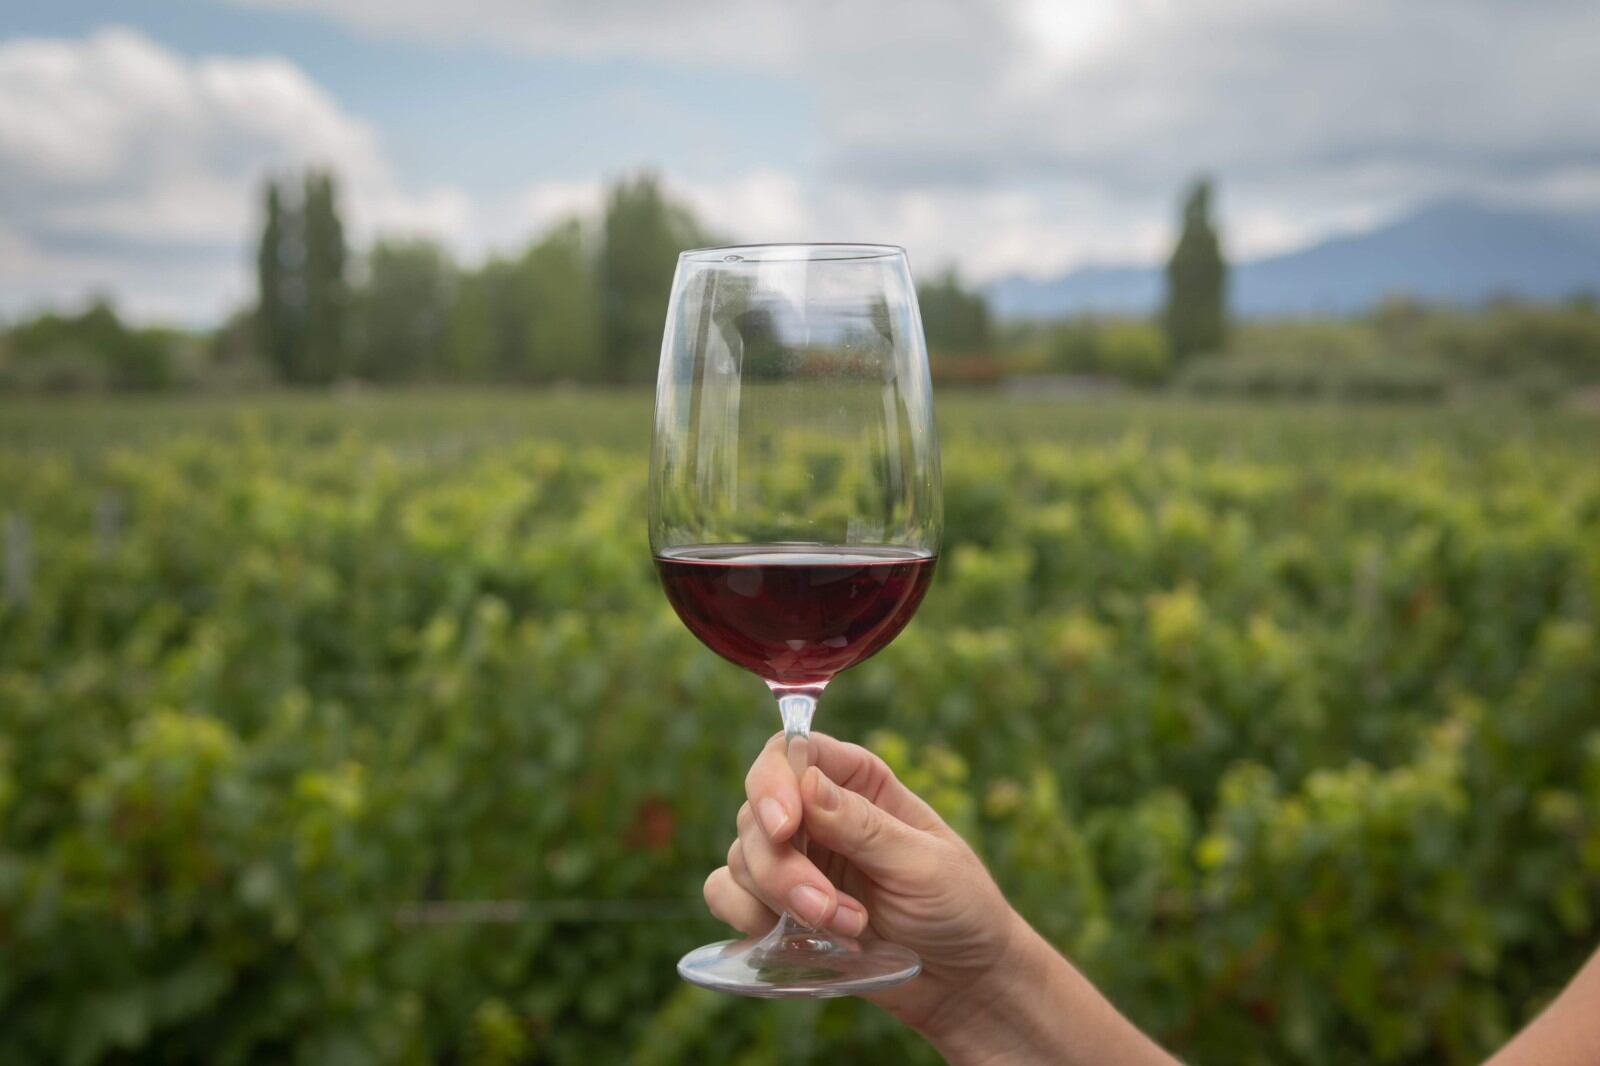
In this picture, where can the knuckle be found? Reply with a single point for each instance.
(869, 828)
(772, 880)
(870, 773)
(745, 818)
(939, 863)
(735, 860)
(865, 756)
(712, 889)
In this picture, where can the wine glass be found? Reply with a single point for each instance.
(795, 512)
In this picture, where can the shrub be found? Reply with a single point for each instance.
(1287, 737)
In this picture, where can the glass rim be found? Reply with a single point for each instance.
(792, 252)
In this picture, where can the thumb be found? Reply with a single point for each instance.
(848, 824)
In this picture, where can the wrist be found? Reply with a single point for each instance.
(988, 1016)
(1033, 1006)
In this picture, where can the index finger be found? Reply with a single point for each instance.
(773, 783)
(773, 786)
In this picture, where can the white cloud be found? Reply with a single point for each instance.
(1002, 135)
(548, 202)
(985, 232)
(1313, 114)
(755, 206)
(161, 283)
(119, 155)
(758, 206)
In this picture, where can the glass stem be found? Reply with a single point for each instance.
(797, 707)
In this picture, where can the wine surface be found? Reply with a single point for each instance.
(795, 614)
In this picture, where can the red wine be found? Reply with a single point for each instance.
(795, 614)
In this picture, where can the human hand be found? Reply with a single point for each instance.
(880, 863)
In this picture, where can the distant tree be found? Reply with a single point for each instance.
(302, 293)
(327, 292)
(1134, 350)
(954, 318)
(567, 308)
(1197, 281)
(233, 357)
(533, 318)
(1073, 346)
(564, 332)
(93, 349)
(279, 307)
(490, 323)
(401, 314)
(469, 348)
(644, 232)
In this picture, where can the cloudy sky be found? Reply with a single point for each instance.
(1000, 135)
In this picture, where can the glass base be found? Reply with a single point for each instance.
(793, 962)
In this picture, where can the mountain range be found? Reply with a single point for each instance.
(1454, 252)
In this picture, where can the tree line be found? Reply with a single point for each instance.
(579, 303)
(582, 302)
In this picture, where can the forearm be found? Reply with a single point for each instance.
(1567, 1033)
(1037, 1008)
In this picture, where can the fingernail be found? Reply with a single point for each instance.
(850, 920)
(827, 793)
(773, 816)
(809, 903)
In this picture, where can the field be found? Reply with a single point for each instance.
(353, 728)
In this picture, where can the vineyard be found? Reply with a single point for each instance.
(356, 729)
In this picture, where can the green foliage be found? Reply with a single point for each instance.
(278, 317)
(1412, 352)
(1285, 728)
(1133, 351)
(1308, 377)
(564, 309)
(88, 351)
(565, 334)
(327, 293)
(532, 319)
(1197, 281)
(1196, 314)
(955, 319)
(644, 232)
(1516, 342)
(1136, 353)
(402, 311)
(490, 323)
(487, 329)
(302, 293)
(1127, 349)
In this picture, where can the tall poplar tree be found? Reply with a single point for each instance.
(302, 291)
(1197, 280)
(276, 317)
(326, 287)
